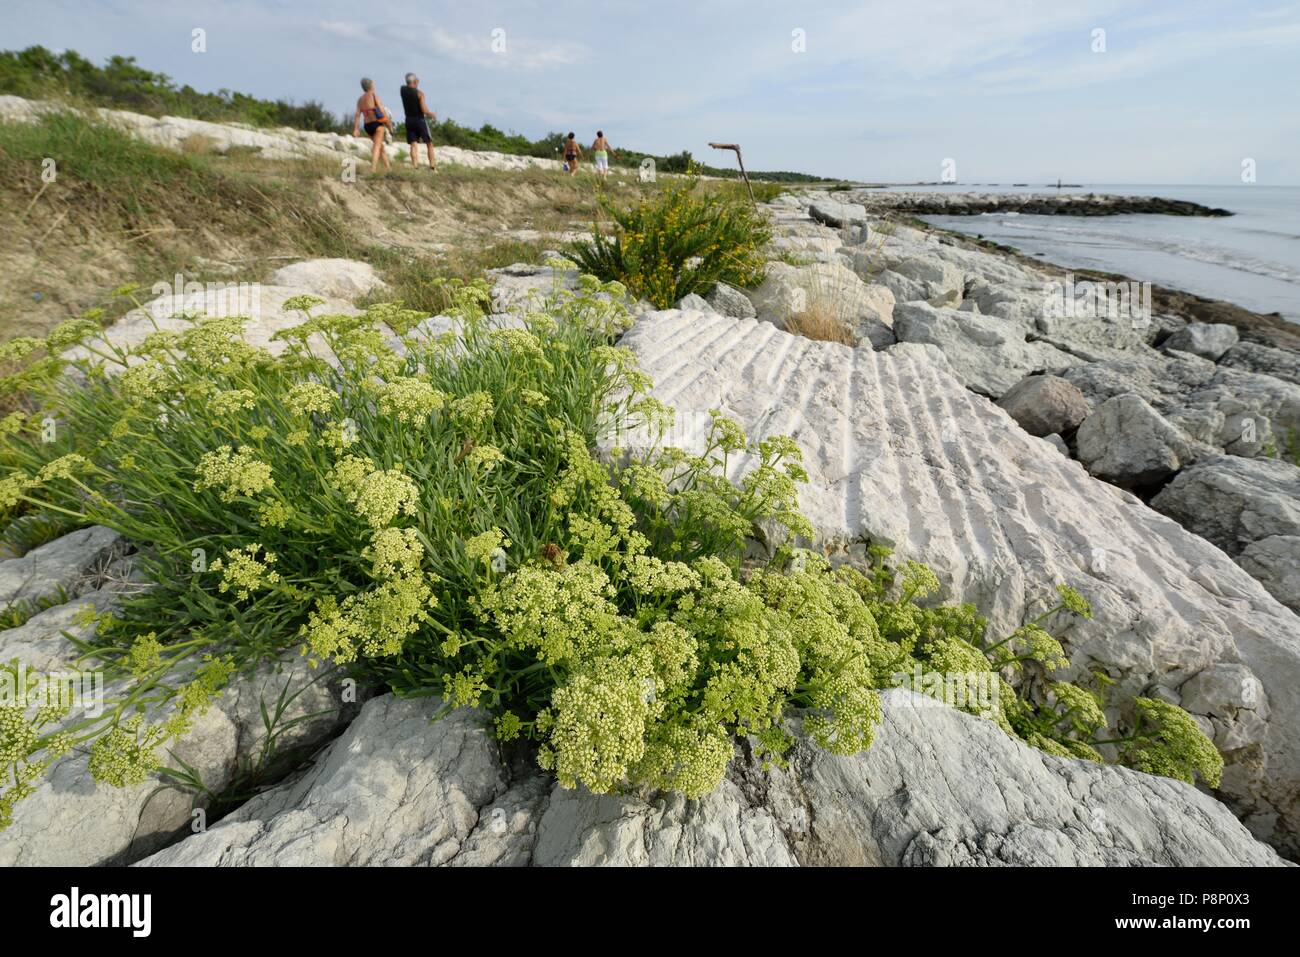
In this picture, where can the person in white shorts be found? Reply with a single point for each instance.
(601, 152)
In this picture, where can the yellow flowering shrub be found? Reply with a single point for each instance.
(678, 242)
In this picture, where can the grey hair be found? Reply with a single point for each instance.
(367, 84)
(411, 78)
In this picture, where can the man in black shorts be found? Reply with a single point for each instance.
(417, 126)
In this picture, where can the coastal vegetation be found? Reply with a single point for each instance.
(433, 513)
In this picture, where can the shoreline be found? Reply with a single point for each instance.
(1270, 329)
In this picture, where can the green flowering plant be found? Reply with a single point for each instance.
(430, 513)
(1064, 718)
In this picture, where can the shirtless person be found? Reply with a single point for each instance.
(377, 119)
(417, 126)
(571, 153)
(601, 151)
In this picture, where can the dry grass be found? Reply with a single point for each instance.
(821, 322)
(125, 210)
(199, 144)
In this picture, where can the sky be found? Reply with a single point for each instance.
(1003, 91)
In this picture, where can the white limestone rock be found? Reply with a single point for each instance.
(730, 301)
(693, 301)
(1253, 357)
(904, 289)
(939, 279)
(344, 279)
(1275, 562)
(829, 287)
(71, 821)
(394, 789)
(263, 305)
(838, 214)
(1178, 383)
(522, 286)
(779, 296)
(63, 564)
(936, 787)
(990, 355)
(940, 788)
(1245, 431)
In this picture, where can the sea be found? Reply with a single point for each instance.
(1251, 258)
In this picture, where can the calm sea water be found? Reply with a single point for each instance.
(1251, 258)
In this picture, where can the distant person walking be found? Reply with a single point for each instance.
(571, 153)
(371, 110)
(601, 151)
(418, 115)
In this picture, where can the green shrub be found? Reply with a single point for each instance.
(679, 242)
(427, 512)
(40, 74)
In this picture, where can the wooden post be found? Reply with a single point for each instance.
(744, 175)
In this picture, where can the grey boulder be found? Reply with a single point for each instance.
(939, 279)
(62, 565)
(988, 354)
(730, 301)
(1253, 357)
(694, 301)
(69, 820)
(1130, 444)
(1209, 340)
(344, 279)
(834, 213)
(1044, 404)
(1233, 501)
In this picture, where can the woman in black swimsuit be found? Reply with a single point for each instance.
(571, 153)
(377, 118)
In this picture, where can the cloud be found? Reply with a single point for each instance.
(341, 28)
(1153, 55)
(497, 48)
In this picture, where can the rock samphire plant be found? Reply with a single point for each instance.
(427, 510)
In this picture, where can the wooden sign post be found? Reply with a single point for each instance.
(733, 146)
